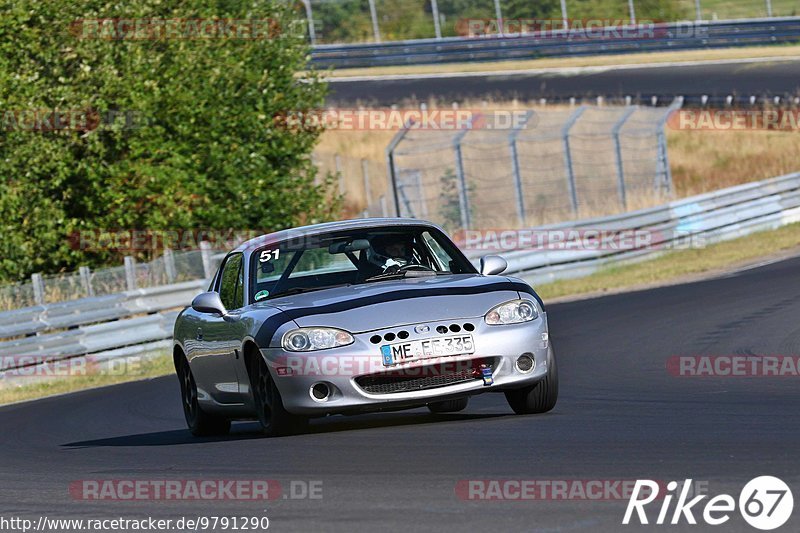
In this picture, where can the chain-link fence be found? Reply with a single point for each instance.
(353, 21)
(558, 164)
(171, 267)
(554, 164)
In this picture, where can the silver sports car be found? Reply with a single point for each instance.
(356, 316)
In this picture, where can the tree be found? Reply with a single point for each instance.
(202, 150)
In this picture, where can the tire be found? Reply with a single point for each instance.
(538, 398)
(200, 423)
(448, 406)
(275, 420)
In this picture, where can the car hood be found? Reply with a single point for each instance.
(370, 306)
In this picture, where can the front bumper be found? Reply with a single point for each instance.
(344, 371)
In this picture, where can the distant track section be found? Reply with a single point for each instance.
(730, 82)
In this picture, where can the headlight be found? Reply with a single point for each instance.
(311, 339)
(512, 312)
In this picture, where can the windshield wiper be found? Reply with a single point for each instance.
(404, 274)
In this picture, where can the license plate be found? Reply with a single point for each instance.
(401, 352)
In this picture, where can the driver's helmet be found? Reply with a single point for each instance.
(390, 252)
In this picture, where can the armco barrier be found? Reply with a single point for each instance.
(716, 216)
(669, 36)
(140, 322)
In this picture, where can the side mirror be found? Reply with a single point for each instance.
(208, 302)
(492, 264)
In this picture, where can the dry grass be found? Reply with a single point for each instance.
(754, 52)
(703, 161)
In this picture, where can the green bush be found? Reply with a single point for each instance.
(207, 155)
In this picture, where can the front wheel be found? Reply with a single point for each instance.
(200, 423)
(274, 418)
(539, 397)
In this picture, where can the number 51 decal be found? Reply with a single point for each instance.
(269, 255)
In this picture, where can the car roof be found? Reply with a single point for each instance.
(327, 227)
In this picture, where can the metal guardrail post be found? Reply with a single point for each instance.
(632, 11)
(512, 140)
(312, 34)
(205, 254)
(86, 280)
(38, 289)
(401, 190)
(698, 11)
(130, 273)
(390, 164)
(498, 13)
(437, 28)
(169, 265)
(769, 8)
(573, 191)
(663, 170)
(373, 14)
(615, 129)
(564, 18)
(463, 193)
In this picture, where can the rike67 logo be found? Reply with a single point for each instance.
(765, 503)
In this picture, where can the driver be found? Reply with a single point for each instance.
(391, 252)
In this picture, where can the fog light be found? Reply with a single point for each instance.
(320, 392)
(525, 363)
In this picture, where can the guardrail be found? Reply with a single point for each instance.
(140, 322)
(715, 216)
(667, 36)
(92, 325)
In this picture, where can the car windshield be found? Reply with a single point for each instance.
(350, 258)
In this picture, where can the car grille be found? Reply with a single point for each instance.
(422, 378)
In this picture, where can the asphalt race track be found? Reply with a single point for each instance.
(717, 81)
(621, 416)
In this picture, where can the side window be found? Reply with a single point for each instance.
(229, 282)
